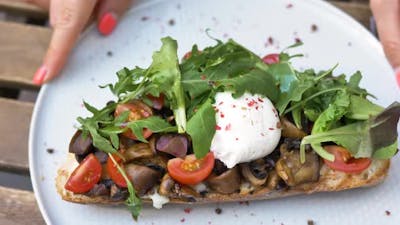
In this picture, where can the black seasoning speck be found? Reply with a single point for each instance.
(310, 222)
(109, 53)
(171, 22)
(144, 18)
(218, 211)
(270, 40)
(178, 6)
(297, 40)
(349, 44)
(387, 212)
(314, 28)
(50, 150)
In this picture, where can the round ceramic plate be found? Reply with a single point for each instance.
(329, 37)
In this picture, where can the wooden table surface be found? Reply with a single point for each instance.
(23, 42)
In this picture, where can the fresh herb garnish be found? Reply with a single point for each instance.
(133, 202)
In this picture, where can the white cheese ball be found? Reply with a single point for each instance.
(248, 128)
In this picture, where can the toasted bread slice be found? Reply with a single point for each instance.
(329, 181)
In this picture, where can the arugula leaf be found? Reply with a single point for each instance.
(154, 123)
(201, 128)
(362, 109)
(364, 138)
(133, 202)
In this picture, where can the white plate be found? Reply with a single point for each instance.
(338, 39)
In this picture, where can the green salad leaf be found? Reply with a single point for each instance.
(375, 137)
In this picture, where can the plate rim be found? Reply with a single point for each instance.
(332, 9)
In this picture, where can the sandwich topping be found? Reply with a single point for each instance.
(248, 128)
(223, 121)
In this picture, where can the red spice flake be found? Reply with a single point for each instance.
(217, 127)
(271, 128)
(220, 103)
(237, 139)
(314, 28)
(233, 106)
(228, 127)
(260, 100)
(297, 40)
(256, 107)
(182, 220)
(270, 40)
(203, 77)
(262, 134)
(289, 6)
(187, 210)
(244, 203)
(222, 115)
(387, 212)
(251, 103)
(278, 125)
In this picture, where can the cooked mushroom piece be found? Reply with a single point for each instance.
(80, 145)
(290, 130)
(117, 193)
(143, 178)
(186, 192)
(138, 151)
(273, 180)
(255, 172)
(174, 144)
(166, 185)
(228, 182)
(292, 171)
(98, 190)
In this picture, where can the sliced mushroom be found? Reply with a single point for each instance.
(174, 144)
(98, 190)
(185, 192)
(80, 145)
(292, 171)
(255, 172)
(138, 151)
(143, 178)
(166, 185)
(273, 180)
(117, 193)
(101, 156)
(226, 183)
(290, 130)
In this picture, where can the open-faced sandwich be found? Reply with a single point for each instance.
(226, 125)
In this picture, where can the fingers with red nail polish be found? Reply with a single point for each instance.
(108, 14)
(69, 18)
(40, 75)
(397, 76)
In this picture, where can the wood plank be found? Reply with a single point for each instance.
(359, 11)
(22, 48)
(14, 129)
(22, 8)
(19, 208)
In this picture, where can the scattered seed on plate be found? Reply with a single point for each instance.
(50, 150)
(218, 211)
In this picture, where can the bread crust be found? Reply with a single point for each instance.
(329, 181)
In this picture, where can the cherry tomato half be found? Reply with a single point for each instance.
(157, 102)
(191, 170)
(344, 161)
(271, 59)
(113, 171)
(85, 176)
(138, 110)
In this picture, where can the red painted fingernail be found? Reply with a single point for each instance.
(39, 76)
(397, 76)
(107, 23)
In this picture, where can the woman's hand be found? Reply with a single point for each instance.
(387, 16)
(68, 18)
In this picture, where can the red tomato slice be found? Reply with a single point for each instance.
(138, 110)
(113, 171)
(85, 176)
(157, 102)
(271, 59)
(344, 161)
(191, 170)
